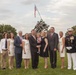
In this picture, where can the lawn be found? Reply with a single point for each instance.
(40, 70)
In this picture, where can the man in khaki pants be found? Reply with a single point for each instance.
(0, 55)
(4, 50)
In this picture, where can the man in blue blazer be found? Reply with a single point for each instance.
(18, 49)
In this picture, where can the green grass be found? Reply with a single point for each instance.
(40, 70)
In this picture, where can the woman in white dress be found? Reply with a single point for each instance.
(26, 54)
(11, 52)
(62, 48)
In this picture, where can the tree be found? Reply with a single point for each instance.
(74, 32)
(74, 28)
(7, 28)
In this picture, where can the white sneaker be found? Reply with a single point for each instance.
(69, 68)
(74, 69)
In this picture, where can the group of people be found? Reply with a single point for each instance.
(33, 45)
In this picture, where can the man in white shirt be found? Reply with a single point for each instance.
(4, 50)
(0, 46)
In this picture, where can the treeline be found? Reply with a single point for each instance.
(7, 28)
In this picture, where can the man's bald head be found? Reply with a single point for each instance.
(20, 33)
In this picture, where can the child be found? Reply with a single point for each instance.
(38, 42)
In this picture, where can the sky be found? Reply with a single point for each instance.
(60, 14)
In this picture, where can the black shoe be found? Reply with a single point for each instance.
(3, 68)
(53, 66)
(18, 67)
(35, 67)
(38, 52)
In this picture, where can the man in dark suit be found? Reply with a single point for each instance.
(53, 46)
(34, 48)
(18, 49)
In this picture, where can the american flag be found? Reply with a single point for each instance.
(35, 9)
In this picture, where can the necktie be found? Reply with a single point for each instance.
(6, 43)
(20, 39)
(51, 35)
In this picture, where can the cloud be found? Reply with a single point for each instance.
(19, 13)
(63, 13)
(5, 11)
(3, 3)
(28, 2)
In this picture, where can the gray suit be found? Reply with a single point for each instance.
(53, 43)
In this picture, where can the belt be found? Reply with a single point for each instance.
(4, 49)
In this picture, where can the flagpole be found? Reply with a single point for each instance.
(38, 12)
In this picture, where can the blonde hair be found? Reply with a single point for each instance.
(44, 33)
(61, 32)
